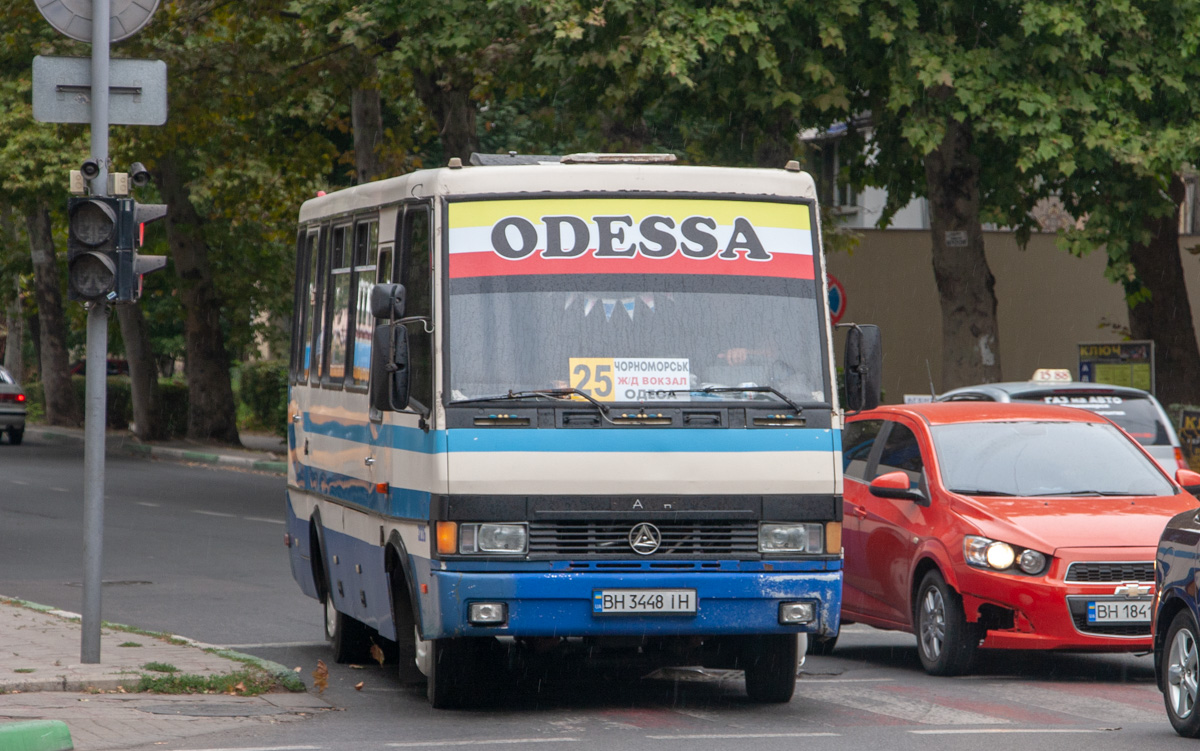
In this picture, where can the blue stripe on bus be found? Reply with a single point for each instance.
(403, 503)
(638, 440)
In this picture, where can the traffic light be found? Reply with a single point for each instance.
(103, 238)
(93, 226)
(131, 265)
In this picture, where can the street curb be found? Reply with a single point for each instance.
(201, 457)
(36, 735)
(281, 673)
(129, 445)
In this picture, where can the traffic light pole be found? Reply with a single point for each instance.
(97, 359)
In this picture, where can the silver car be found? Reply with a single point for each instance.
(1137, 412)
(12, 408)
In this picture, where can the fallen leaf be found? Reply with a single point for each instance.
(321, 677)
(358, 686)
(297, 669)
(376, 653)
(240, 687)
(352, 666)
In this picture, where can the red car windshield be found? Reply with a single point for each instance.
(1044, 459)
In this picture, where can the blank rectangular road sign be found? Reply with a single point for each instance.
(62, 91)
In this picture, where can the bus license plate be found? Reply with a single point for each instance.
(644, 601)
(1119, 611)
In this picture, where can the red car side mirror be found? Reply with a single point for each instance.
(895, 485)
(1189, 480)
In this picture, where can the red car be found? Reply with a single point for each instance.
(1002, 526)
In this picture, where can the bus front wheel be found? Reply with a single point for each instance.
(451, 682)
(771, 663)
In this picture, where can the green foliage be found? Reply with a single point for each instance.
(160, 667)
(251, 682)
(173, 402)
(264, 392)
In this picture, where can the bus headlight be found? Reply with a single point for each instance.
(502, 539)
(790, 538)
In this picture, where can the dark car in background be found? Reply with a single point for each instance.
(1176, 615)
(12, 408)
(1137, 412)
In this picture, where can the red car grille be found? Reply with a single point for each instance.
(1111, 573)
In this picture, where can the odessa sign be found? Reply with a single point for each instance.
(73, 18)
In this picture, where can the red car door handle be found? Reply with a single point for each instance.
(859, 511)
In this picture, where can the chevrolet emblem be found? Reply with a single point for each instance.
(1131, 590)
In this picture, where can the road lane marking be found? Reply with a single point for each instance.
(18, 482)
(891, 704)
(498, 741)
(719, 736)
(147, 503)
(1074, 702)
(259, 748)
(263, 519)
(213, 513)
(846, 680)
(972, 731)
(59, 490)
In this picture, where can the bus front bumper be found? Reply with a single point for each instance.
(564, 604)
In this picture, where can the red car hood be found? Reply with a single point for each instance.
(1047, 524)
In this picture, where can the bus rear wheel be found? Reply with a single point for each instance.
(349, 637)
(771, 663)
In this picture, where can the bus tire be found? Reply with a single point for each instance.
(452, 683)
(771, 663)
(349, 637)
(405, 621)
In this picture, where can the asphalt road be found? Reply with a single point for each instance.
(198, 551)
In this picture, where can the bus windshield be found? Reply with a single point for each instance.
(626, 320)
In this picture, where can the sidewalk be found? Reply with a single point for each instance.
(259, 452)
(42, 678)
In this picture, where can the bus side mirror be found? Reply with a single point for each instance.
(864, 367)
(390, 374)
(387, 301)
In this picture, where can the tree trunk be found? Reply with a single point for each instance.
(366, 118)
(211, 411)
(966, 288)
(452, 108)
(14, 345)
(62, 408)
(1167, 316)
(149, 423)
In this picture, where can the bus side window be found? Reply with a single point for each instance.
(337, 317)
(416, 274)
(314, 324)
(299, 289)
(383, 268)
(366, 239)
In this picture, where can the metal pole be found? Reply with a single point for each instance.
(97, 358)
(93, 479)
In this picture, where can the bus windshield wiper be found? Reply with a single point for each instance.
(534, 394)
(797, 409)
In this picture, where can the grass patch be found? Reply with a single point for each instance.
(168, 638)
(241, 683)
(160, 667)
(284, 677)
(129, 644)
(23, 670)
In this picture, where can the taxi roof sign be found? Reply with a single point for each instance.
(1052, 375)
